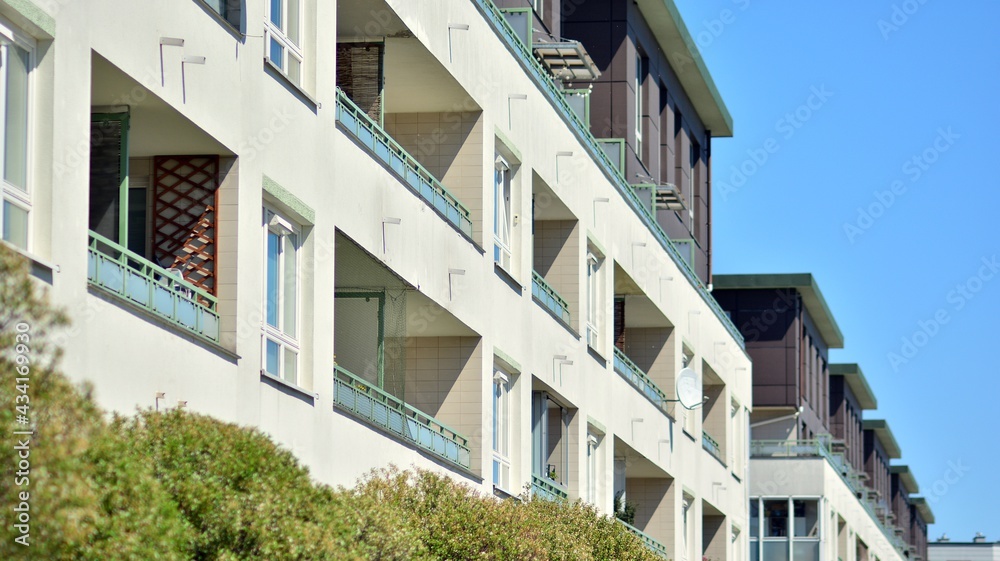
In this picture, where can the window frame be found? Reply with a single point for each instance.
(278, 334)
(592, 443)
(503, 221)
(501, 428)
(229, 11)
(687, 530)
(279, 33)
(11, 194)
(539, 7)
(594, 288)
(640, 77)
(790, 539)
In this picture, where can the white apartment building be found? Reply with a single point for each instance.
(977, 550)
(379, 231)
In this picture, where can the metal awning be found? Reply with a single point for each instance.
(566, 60)
(668, 197)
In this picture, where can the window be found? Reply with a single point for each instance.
(776, 519)
(666, 154)
(736, 449)
(737, 543)
(688, 526)
(591, 468)
(501, 429)
(281, 347)
(694, 170)
(795, 517)
(806, 518)
(679, 181)
(502, 217)
(687, 360)
(594, 300)
(228, 9)
(15, 64)
(640, 76)
(282, 39)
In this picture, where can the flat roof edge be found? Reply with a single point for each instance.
(685, 59)
(805, 283)
(857, 382)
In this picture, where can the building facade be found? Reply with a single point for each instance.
(976, 550)
(394, 232)
(822, 485)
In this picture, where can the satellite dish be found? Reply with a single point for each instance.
(688, 389)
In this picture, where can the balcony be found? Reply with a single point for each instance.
(711, 446)
(547, 489)
(541, 77)
(653, 545)
(549, 298)
(635, 376)
(380, 144)
(381, 409)
(820, 448)
(163, 293)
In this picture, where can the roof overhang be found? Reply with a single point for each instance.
(685, 59)
(805, 284)
(857, 382)
(923, 508)
(884, 434)
(566, 60)
(906, 478)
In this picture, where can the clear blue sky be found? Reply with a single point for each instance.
(898, 90)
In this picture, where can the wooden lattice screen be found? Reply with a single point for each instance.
(619, 327)
(184, 217)
(360, 75)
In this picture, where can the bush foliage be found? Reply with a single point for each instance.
(178, 485)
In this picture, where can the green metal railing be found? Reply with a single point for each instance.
(547, 489)
(495, 16)
(373, 137)
(383, 410)
(549, 297)
(635, 376)
(821, 448)
(711, 445)
(163, 293)
(653, 545)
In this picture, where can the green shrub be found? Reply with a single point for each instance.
(177, 485)
(85, 501)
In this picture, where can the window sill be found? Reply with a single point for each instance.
(40, 269)
(293, 388)
(596, 354)
(499, 492)
(508, 278)
(292, 87)
(226, 24)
